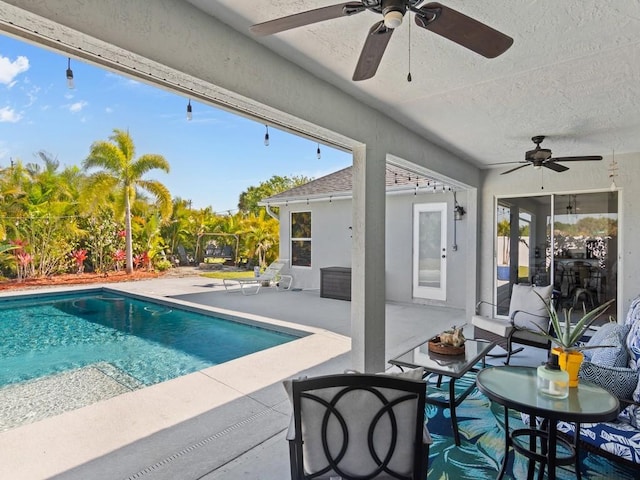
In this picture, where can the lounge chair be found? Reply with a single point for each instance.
(271, 276)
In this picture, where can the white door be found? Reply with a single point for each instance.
(429, 251)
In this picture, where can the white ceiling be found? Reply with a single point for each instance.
(573, 73)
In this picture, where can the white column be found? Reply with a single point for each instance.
(368, 261)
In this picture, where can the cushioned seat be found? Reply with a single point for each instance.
(528, 315)
(356, 426)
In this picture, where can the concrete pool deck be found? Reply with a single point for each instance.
(224, 422)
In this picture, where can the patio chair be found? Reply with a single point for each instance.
(355, 426)
(527, 315)
(271, 276)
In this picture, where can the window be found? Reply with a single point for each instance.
(301, 239)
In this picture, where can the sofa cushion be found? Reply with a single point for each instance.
(633, 337)
(617, 438)
(597, 338)
(631, 415)
(616, 355)
(619, 381)
(533, 314)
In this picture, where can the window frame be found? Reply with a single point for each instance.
(294, 240)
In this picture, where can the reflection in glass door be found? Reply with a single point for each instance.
(429, 251)
(567, 240)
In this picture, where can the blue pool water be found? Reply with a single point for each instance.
(148, 341)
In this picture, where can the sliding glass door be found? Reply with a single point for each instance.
(569, 241)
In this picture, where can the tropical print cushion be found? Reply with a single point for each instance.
(633, 337)
(617, 438)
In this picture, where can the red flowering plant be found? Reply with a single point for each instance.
(79, 256)
(142, 260)
(119, 256)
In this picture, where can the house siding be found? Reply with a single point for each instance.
(332, 243)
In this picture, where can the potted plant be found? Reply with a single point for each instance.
(566, 336)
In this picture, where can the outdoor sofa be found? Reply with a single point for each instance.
(617, 370)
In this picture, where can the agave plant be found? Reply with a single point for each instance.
(566, 334)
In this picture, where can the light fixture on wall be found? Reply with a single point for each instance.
(613, 171)
(189, 111)
(266, 136)
(318, 154)
(70, 83)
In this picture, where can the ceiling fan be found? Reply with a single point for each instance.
(444, 21)
(541, 157)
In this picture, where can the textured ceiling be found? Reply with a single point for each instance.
(573, 73)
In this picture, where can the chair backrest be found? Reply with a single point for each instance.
(273, 270)
(358, 426)
(528, 308)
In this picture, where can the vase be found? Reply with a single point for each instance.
(570, 361)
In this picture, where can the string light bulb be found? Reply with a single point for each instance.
(70, 83)
(318, 154)
(189, 111)
(266, 136)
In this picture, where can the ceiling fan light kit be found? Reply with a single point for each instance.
(542, 157)
(446, 22)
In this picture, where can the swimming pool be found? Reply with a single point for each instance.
(142, 341)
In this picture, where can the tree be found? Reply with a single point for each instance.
(248, 201)
(121, 173)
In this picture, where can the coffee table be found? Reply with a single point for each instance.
(450, 366)
(516, 388)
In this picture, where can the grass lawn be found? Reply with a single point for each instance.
(222, 275)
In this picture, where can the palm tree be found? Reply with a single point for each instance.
(123, 174)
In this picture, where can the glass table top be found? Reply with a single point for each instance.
(516, 387)
(450, 365)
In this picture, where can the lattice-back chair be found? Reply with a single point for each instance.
(358, 426)
(527, 315)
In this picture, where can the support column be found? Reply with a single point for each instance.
(368, 261)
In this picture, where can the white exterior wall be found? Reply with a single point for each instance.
(332, 242)
(582, 177)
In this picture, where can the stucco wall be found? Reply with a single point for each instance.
(332, 240)
(582, 177)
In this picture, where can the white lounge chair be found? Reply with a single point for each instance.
(271, 276)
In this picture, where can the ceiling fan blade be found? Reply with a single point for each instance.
(514, 169)
(555, 166)
(577, 159)
(307, 18)
(463, 30)
(374, 47)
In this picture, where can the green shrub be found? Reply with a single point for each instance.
(162, 265)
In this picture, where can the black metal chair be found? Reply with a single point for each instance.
(527, 316)
(358, 426)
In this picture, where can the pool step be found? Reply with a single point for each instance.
(48, 396)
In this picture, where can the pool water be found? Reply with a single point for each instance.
(149, 342)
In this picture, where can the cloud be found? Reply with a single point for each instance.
(108, 110)
(10, 70)
(9, 115)
(77, 106)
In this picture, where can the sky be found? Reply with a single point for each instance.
(213, 157)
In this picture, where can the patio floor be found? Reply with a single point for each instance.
(227, 421)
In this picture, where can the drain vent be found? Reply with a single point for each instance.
(156, 466)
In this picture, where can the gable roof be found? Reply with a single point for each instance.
(340, 185)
